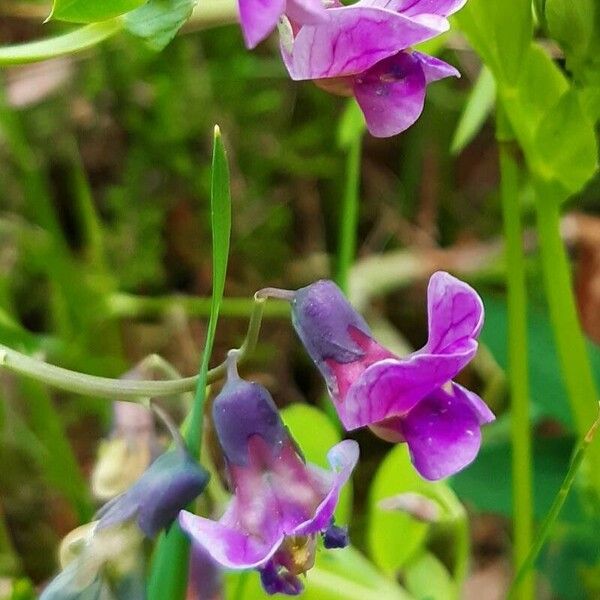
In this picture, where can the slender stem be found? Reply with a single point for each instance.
(121, 305)
(121, 389)
(517, 357)
(569, 338)
(554, 511)
(349, 214)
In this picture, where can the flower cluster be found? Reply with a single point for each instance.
(361, 50)
(281, 506)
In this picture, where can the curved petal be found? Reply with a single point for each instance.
(392, 387)
(455, 314)
(434, 68)
(342, 458)
(306, 12)
(412, 8)
(353, 40)
(391, 94)
(230, 547)
(481, 409)
(442, 433)
(259, 18)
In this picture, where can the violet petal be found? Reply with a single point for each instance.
(391, 94)
(442, 433)
(434, 68)
(231, 547)
(343, 457)
(353, 40)
(259, 18)
(455, 314)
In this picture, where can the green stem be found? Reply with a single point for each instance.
(80, 39)
(518, 380)
(554, 511)
(121, 389)
(569, 338)
(121, 305)
(349, 214)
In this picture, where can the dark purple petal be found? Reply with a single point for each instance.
(322, 318)
(170, 483)
(243, 410)
(259, 18)
(434, 68)
(391, 94)
(276, 581)
(442, 433)
(335, 537)
(353, 40)
(455, 314)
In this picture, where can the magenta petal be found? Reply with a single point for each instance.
(230, 547)
(442, 433)
(413, 8)
(306, 12)
(259, 18)
(342, 458)
(353, 40)
(481, 409)
(434, 68)
(392, 387)
(455, 314)
(391, 94)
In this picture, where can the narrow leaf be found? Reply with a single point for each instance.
(477, 109)
(168, 578)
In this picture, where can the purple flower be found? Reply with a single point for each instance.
(280, 503)
(363, 51)
(259, 18)
(171, 482)
(410, 399)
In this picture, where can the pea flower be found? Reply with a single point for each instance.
(259, 18)
(410, 399)
(280, 503)
(363, 50)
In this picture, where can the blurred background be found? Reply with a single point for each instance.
(104, 198)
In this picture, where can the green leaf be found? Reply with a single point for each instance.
(60, 45)
(551, 458)
(84, 11)
(477, 109)
(548, 394)
(426, 578)
(394, 537)
(158, 21)
(303, 420)
(500, 31)
(565, 144)
(337, 575)
(168, 578)
(571, 24)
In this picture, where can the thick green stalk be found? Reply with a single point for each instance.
(349, 215)
(517, 358)
(568, 335)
